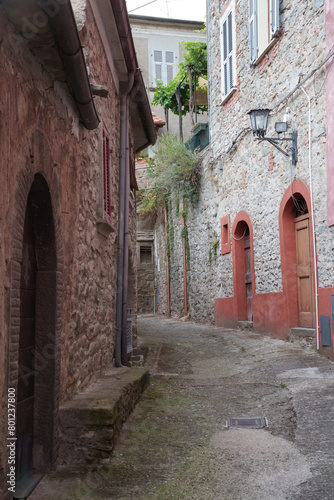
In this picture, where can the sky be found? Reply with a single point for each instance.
(192, 10)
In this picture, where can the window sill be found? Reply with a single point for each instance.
(228, 96)
(265, 51)
(104, 227)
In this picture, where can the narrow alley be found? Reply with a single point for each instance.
(176, 445)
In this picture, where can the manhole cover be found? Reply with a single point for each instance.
(248, 423)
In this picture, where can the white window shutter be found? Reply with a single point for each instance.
(274, 17)
(227, 54)
(157, 58)
(230, 52)
(169, 65)
(253, 44)
(225, 58)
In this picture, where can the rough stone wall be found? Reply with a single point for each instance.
(41, 133)
(253, 177)
(206, 272)
(90, 296)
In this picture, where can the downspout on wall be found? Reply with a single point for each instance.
(123, 188)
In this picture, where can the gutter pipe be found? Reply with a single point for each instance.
(63, 24)
(313, 224)
(121, 223)
(124, 355)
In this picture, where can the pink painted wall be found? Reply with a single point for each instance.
(329, 21)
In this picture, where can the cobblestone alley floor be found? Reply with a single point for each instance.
(175, 444)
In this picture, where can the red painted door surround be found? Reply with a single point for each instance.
(243, 266)
(296, 258)
(273, 312)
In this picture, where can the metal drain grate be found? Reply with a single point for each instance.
(247, 423)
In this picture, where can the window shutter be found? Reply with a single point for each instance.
(157, 58)
(253, 48)
(169, 65)
(106, 176)
(228, 77)
(274, 18)
(230, 51)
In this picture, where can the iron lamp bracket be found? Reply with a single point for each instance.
(276, 140)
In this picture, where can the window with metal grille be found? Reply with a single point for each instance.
(263, 26)
(228, 51)
(163, 66)
(145, 255)
(107, 207)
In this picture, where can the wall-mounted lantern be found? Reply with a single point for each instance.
(259, 121)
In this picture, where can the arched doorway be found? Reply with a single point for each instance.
(36, 406)
(297, 256)
(243, 272)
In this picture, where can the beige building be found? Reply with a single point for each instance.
(158, 43)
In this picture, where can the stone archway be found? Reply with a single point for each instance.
(37, 375)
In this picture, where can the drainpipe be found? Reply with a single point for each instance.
(313, 228)
(124, 356)
(185, 293)
(167, 261)
(64, 27)
(123, 194)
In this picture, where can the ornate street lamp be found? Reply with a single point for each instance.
(259, 121)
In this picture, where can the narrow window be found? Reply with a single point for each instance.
(228, 51)
(107, 208)
(225, 234)
(263, 26)
(145, 255)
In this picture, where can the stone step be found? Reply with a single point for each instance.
(245, 325)
(305, 336)
(91, 422)
(302, 332)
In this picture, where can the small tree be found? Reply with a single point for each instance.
(195, 63)
(174, 172)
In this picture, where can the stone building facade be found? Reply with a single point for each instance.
(270, 219)
(60, 243)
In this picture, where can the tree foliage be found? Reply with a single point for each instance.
(174, 172)
(195, 59)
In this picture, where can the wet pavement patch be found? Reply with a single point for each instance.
(247, 423)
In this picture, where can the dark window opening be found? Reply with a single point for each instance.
(145, 255)
(107, 207)
(300, 205)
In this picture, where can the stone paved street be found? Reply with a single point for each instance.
(175, 444)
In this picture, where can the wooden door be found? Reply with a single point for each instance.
(25, 395)
(248, 278)
(304, 272)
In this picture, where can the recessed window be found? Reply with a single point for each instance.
(145, 255)
(163, 66)
(225, 234)
(107, 207)
(263, 26)
(228, 59)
